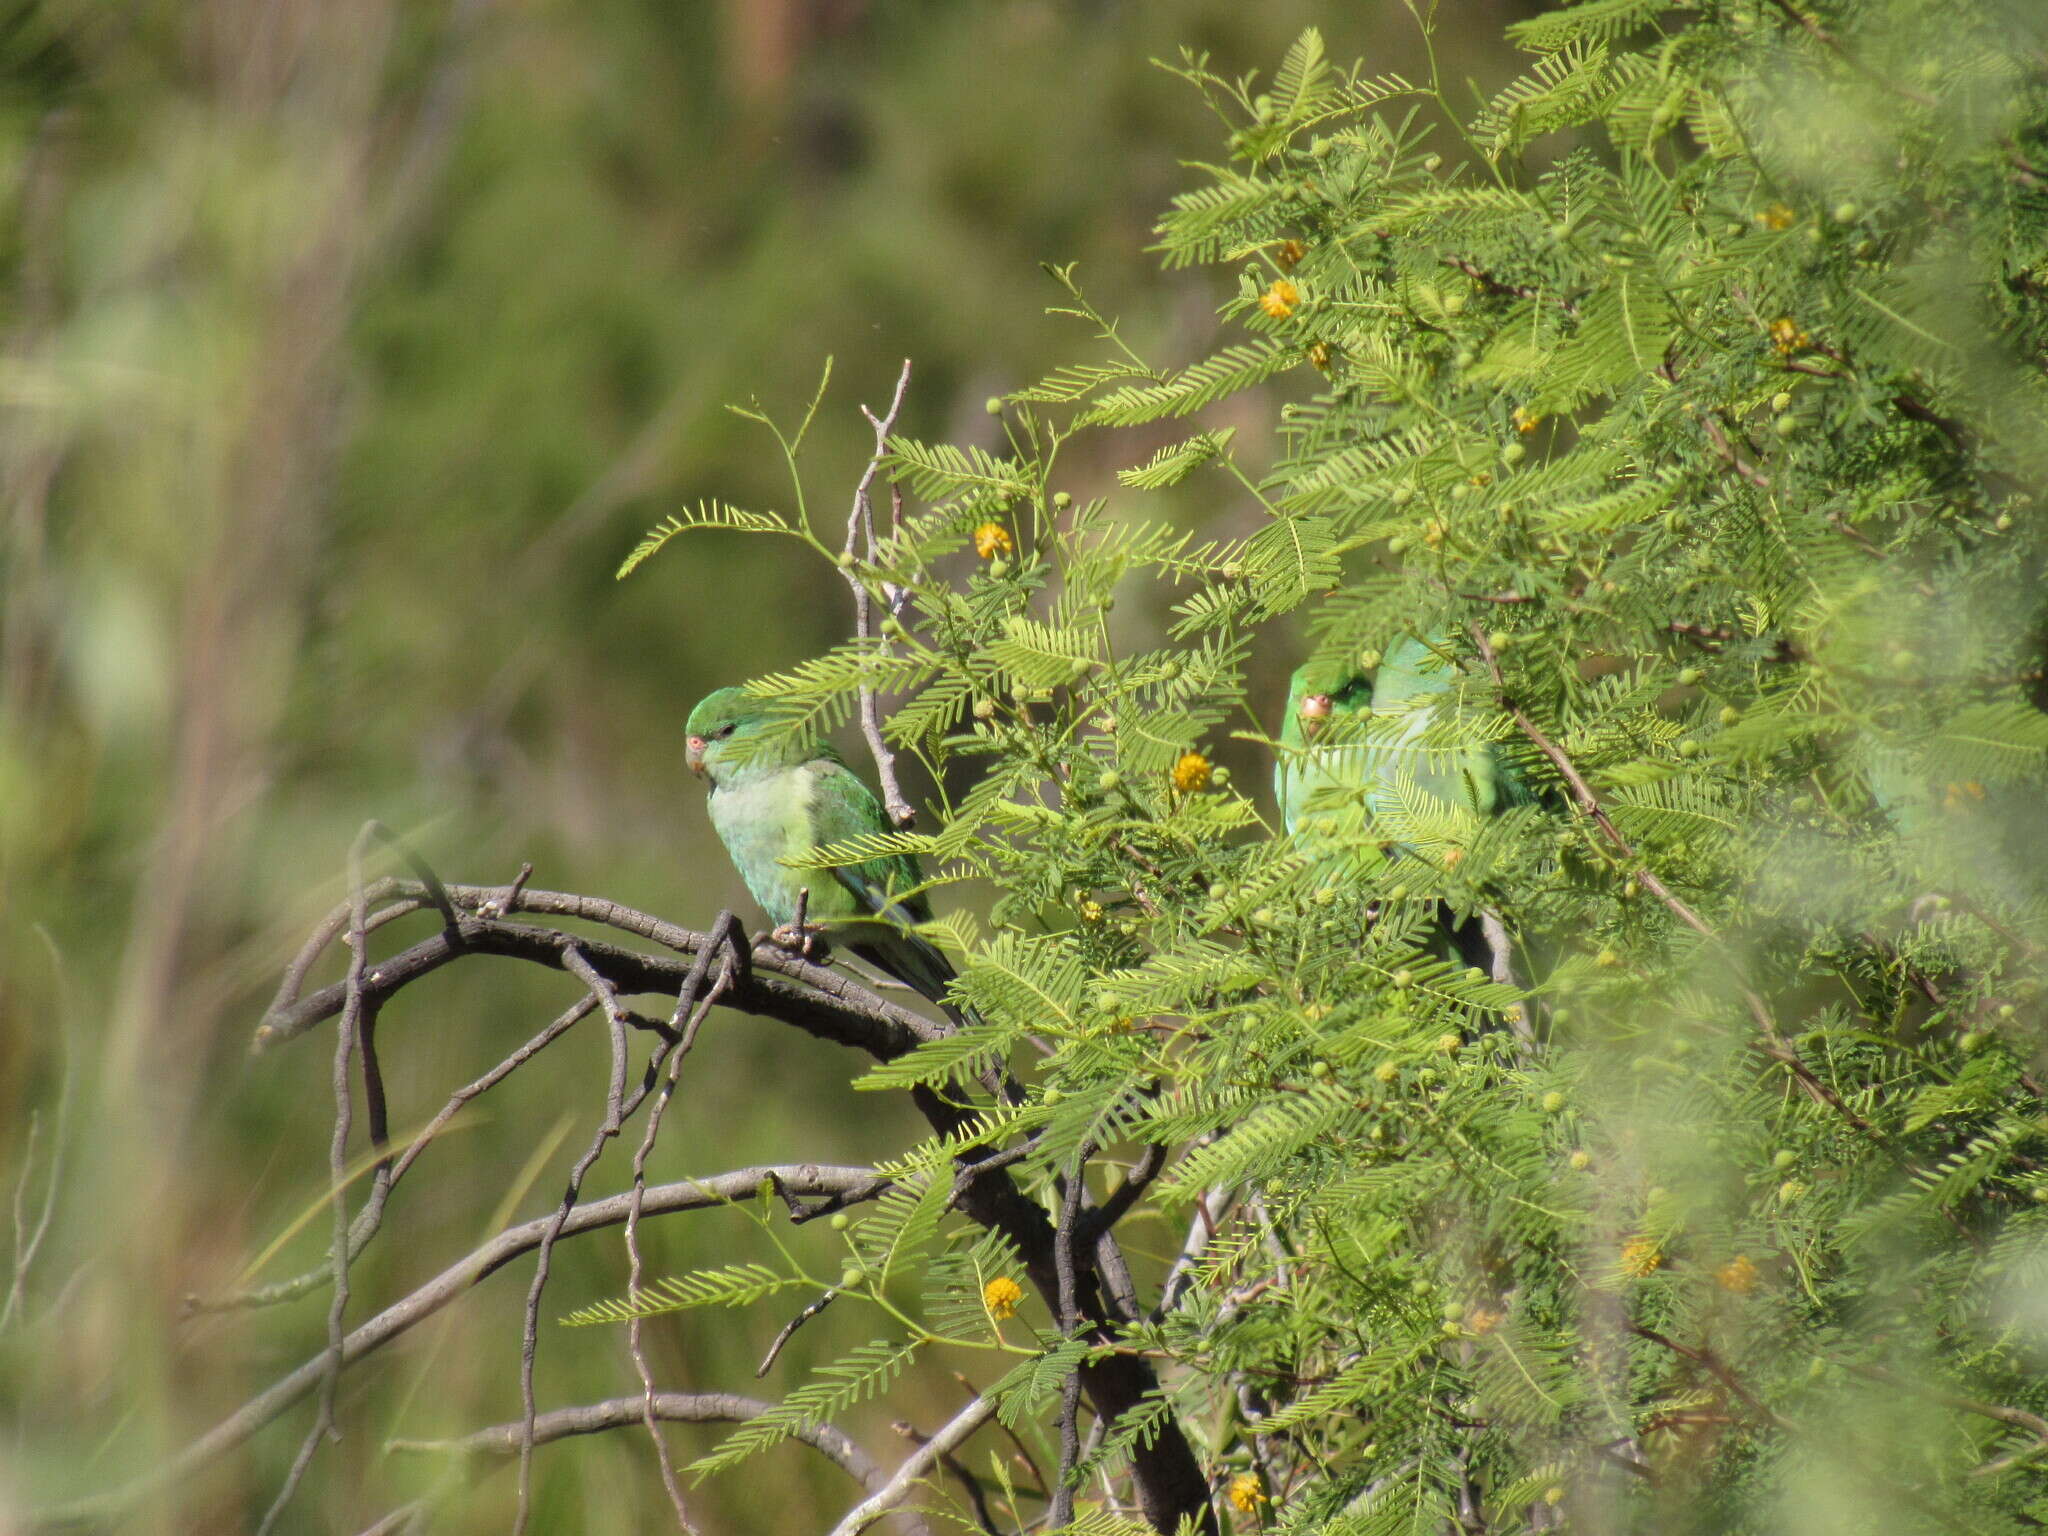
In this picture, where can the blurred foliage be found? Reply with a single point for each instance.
(344, 350)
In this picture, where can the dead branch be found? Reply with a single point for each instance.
(915, 1465)
(838, 1187)
(860, 544)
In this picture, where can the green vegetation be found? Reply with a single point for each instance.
(1678, 410)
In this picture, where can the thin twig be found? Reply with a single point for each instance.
(614, 1115)
(346, 1038)
(860, 543)
(688, 1016)
(811, 1310)
(1062, 1511)
(28, 1243)
(957, 1429)
(502, 1440)
(953, 1465)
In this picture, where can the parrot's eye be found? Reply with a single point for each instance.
(724, 731)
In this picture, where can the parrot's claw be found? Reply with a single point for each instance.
(804, 940)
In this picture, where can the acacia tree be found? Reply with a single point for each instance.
(1688, 399)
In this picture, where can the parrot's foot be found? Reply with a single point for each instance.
(804, 940)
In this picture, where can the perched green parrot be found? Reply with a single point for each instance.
(1322, 701)
(1413, 679)
(785, 802)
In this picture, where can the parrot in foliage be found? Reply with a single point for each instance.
(1322, 701)
(1398, 776)
(788, 799)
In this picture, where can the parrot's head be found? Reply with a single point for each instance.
(720, 720)
(1320, 690)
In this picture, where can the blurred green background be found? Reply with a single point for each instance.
(345, 351)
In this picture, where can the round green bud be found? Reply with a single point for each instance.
(1368, 659)
(1398, 893)
(1449, 1044)
(1816, 1368)
(998, 568)
(1681, 1047)
(2003, 522)
(1514, 453)
(1052, 1096)
(1401, 495)
(840, 1221)
(1781, 402)
(1403, 979)
(984, 709)
(1631, 889)
(2006, 1010)
(1109, 779)
(1783, 1159)
(1847, 213)
(1321, 1069)
(1499, 639)
(1453, 1310)
(1664, 116)
(1233, 571)
(1580, 1161)
(1453, 1330)
(1688, 748)
(1560, 1016)
(1432, 162)
(1428, 1077)
(2039, 1194)
(1219, 776)
(1553, 1103)
(1689, 677)
(1061, 500)
(1454, 303)
(1789, 1191)
(1786, 426)
(1729, 714)
(850, 1277)
(1553, 1495)
(1219, 891)
(1607, 959)
(1386, 1072)
(1397, 545)
(1107, 1002)
(1264, 917)
(993, 405)
(1466, 357)
(1325, 895)
(1974, 1041)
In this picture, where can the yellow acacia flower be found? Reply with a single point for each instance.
(1777, 216)
(1091, 910)
(1001, 1296)
(1527, 421)
(1280, 299)
(1641, 1256)
(1483, 1319)
(1319, 356)
(1786, 335)
(1738, 1275)
(1245, 1493)
(1287, 253)
(1191, 773)
(992, 539)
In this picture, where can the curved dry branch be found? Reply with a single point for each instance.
(839, 1187)
(501, 1441)
(815, 998)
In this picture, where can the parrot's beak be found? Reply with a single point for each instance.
(1315, 709)
(693, 754)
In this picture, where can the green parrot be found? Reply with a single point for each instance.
(1413, 678)
(1322, 701)
(790, 799)
(1406, 785)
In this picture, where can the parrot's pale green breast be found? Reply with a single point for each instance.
(766, 817)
